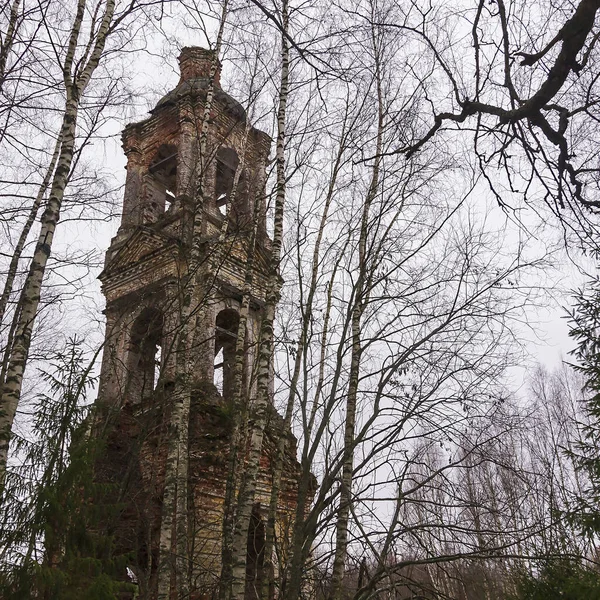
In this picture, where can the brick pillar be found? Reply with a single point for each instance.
(113, 373)
(132, 200)
(204, 343)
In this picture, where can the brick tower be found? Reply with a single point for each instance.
(142, 283)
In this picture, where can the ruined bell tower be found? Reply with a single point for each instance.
(144, 281)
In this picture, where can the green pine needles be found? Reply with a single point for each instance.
(55, 541)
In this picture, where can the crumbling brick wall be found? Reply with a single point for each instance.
(142, 282)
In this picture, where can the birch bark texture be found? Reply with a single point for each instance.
(174, 559)
(247, 489)
(18, 250)
(76, 78)
(240, 395)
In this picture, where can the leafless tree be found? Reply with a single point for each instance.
(517, 78)
(395, 292)
(427, 322)
(73, 63)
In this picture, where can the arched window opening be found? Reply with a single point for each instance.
(161, 187)
(255, 556)
(145, 354)
(227, 163)
(226, 328)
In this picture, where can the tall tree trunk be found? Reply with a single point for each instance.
(360, 300)
(307, 312)
(239, 399)
(303, 530)
(247, 489)
(174, 559)
(9, 38)
(18, 251)
(11, 389)
(240, 416)
(9, 342)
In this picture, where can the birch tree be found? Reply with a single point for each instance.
(78, 57)
(361, 299)
(240, 390)
(246, 492)
(321, 393)
(399, 314)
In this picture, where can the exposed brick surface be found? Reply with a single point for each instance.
(142, 282)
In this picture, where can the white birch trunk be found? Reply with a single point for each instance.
(240, 416)
(174, 559)
(11, 389)
(33, 211)
(247, 489)
(239, 398)
(9, 38)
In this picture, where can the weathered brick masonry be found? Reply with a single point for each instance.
(142, 282)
